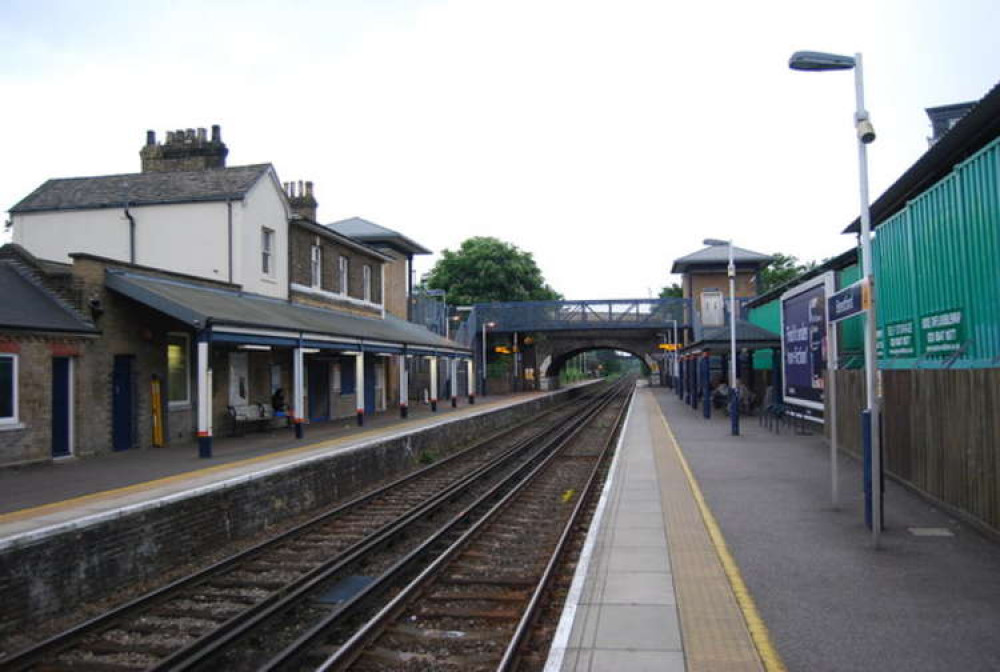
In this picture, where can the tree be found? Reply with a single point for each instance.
(674, 291)
(782, 269)
(486, 269)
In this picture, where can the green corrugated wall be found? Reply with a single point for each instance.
(941, 254)
(767, 316)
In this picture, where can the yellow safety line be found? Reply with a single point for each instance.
(62, 505)
(755, 624)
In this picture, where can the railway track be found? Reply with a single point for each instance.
(214, 619)
(475, 606)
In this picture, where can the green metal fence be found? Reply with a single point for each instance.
(937, 272)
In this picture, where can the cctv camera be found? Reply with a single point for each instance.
(866, 132)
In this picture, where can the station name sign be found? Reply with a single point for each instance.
(846, 303)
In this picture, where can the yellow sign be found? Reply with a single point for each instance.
(669, 346)
(866, 295)
(502, 349)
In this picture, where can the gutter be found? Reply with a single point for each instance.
(131, 235)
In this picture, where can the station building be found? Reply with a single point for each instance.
(205, 296)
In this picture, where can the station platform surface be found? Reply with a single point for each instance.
(38, 498)
(719, 552)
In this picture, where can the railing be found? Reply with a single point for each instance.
(427, 308)
(590, 314)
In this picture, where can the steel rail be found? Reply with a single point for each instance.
(53, 646)
(350, 650)
(512, 654)
(217, 644)
(202, 649)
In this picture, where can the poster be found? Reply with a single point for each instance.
(804, 346)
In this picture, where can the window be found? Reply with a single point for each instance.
(317, 266)
(367, 280)
(8, 389)
(267, 251)
(343, 275)
(178, 370)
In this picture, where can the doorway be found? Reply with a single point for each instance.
(62, 407)
(123, 404)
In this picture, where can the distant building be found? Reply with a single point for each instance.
(705, 278)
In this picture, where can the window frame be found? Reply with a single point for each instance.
(13, 419)
(366, 283)
(186, 402)
(316, 266)
(267, 239)
(344, 275)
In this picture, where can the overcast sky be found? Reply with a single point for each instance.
(605, 138)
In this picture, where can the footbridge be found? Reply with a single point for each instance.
(534, 339)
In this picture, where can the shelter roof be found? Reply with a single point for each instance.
(375, 234)
(28, 305)
(972, 132)
(114, 191)
(714, 255)
(748, 336)
(202, 306)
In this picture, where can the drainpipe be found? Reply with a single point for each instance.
(229, 218)
(131, 235)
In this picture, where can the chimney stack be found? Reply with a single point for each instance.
(184, 150)
(300, 197)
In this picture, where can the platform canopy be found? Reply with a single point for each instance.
(748, 337)
(238, 317)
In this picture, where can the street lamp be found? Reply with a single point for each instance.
(734, 395)
(486, 325)
(810, 61)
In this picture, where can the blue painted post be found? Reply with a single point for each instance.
(680, 379)
(693, 382)
(734, 401)
(866, 450)
(706, 383)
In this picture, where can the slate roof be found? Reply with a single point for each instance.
(372, 233)
(200, 306)
(113, 191)
(714, 255)
(28, 306)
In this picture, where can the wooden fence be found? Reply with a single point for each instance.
(941, 432)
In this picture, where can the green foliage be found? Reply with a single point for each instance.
(674, 291)
(426, 457)
(486, 269)
(784, 268)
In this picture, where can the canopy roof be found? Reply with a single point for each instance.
(252, 318)
(749, 336)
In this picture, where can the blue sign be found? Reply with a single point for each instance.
(846, 303)
(803, 322)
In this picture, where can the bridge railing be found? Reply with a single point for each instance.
(588, 314)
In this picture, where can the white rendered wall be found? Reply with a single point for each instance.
(54, 235)
(262, 207)
(189, 238)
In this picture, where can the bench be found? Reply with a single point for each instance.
(257, 416)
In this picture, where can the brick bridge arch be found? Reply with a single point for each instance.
(554, 348)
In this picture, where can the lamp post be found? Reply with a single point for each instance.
(486, 325)
(817, 61)
(734, 395)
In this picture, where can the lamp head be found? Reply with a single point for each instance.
(714, 242)
(818, 60)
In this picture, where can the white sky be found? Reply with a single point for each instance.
(605, 138)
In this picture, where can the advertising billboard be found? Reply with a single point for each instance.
(804, 347)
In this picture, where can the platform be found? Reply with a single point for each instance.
(719, 552)
(77, 491)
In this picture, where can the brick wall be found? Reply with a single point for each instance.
(300, 264)
(40, 579)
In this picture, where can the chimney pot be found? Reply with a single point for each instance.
(216, 133)
(202, 135)
(309, 189)
(179, 135)
(189, 137)
(150, 137)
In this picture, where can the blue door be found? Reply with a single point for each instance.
(319, 391)
(122, 404)
(369, 384)
(61, 408)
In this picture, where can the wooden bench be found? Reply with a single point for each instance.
(257, 416)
